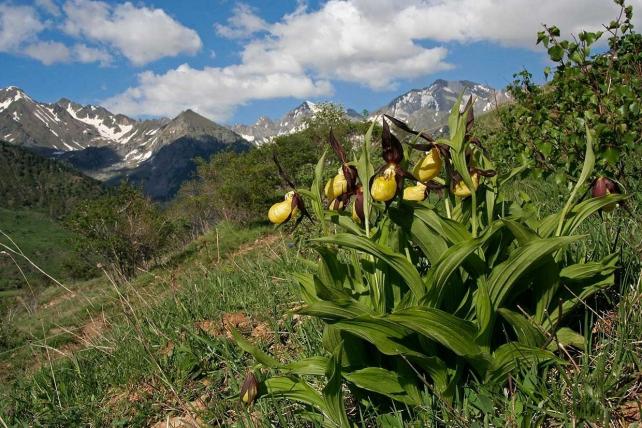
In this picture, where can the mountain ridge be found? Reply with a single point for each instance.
(108, 146)
(111, 147)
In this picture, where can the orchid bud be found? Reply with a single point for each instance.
(429, 166)
(603, 186)
(249, 389)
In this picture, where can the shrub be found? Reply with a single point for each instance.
(421, 297)
(123, 228)
(544, 127)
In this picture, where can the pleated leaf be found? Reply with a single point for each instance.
(395, 260)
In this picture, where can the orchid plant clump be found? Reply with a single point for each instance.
(420, 294)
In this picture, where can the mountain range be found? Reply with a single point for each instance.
(155, 154)
(158, 154)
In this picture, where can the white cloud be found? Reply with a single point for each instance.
(48, 52)
(86, 54)
(508, 22)
(372, 42)
(18, 24)
(141, 34)
(50, 6)
(214, 92)
(243, 23)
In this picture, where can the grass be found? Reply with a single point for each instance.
(156, 349)
(150, 339)
(44, 241)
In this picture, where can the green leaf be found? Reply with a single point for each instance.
(584, 209)
(431, 244)
(388, 337)
(333, 311)
(556, 53)
(450, 261)
(523, 259)
(585, 271)
(293, 389)
(395, 260)
(567, 337)
(312, 366)
(345, 221)
(450, 230)
(520, 231)
(332, 392)
(527, 333)
(485, 314)
(511, 356)
(587, 168)
(259, 355)
(380, 381)
(452, 332)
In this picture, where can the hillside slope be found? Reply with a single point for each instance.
(28, 180)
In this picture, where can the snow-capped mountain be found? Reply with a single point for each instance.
(425, 108)
(265, 130)
(102, 144)
(428, 108)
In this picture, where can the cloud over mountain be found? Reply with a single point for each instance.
(374, 43)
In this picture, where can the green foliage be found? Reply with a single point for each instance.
(30, 181)
(241, 187)
(545, 126)
(123, 228)
(425, 297)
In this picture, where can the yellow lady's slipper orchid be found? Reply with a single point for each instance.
(415, 193)
(429, 166)
(336, 186)
(282, 211)
(462, 190)
(384, 187)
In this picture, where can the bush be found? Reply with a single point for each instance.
(422, 297)
(544, 127)
(123, 228)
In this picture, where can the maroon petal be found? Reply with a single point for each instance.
(282, 173)
(392, 150)
(403, 126)
(337, 148)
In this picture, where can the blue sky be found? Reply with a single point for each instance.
(234, 62)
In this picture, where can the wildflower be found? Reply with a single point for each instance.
(342, 186)
(336, 186)
(384, 187)
(462, 190)
(283, 211)
(336, 205)
(249, 389)
(415, 193)
(389, 181)
(429, 166)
